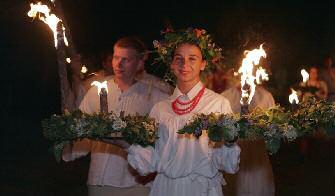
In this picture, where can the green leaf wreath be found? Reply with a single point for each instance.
(172, 39)
(273, 125)
(66, 128)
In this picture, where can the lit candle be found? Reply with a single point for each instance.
(102, 92)
(294, 100)
(305, 77)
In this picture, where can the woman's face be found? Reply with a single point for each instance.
(187, 63)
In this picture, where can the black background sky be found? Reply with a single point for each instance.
(295, 33)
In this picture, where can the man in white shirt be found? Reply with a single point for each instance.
(109, 172)
(81, 86)
(262, 99)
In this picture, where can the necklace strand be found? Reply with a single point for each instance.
(192, 103)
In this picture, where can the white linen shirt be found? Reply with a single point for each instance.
(262, 99)
(185, 165)
(109, 164)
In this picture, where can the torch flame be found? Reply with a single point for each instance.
(100, 85)
(293, 97)
(50, 19)
(261, 75)
(83, 69)
(305, 75)
(246, 70)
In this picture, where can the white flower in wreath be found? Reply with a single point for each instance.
(233, 130)
(119, 124)
(271, 131)
(156, 44)
(79, 127)
(148, 127)
(112, 116)
(231, 125)
(290, 132)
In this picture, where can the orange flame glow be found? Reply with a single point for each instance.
(83, 69)
(43, 13)
(305, 76)
(247, 69)
(293, 97)
(100, 85)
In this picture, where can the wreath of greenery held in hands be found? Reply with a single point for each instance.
(172, 39)
(69, 127)
(274, 125)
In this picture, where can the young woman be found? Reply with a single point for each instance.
(186, 165)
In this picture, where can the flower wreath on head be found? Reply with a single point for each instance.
(172, 39)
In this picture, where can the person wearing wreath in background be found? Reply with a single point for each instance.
(186, 165)
(314, 86)
(109, 172)
(255, 177)
(327, 74)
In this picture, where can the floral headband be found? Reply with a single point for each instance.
(172, 39)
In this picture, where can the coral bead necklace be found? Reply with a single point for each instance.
(190, 105)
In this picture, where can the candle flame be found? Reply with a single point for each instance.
(68, 60)
(246, 70)
(305, 75)
(43, 13)
(293, 97)
(83, 69)
(100, 85)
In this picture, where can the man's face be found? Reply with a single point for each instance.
(126, 62)
(187, 63)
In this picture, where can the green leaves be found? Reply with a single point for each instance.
(272, 145)
(273, 125)
(58, 149)
(62, 129)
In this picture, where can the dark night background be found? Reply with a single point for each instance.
(295, 33)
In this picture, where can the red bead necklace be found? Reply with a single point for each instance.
(192, 103)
